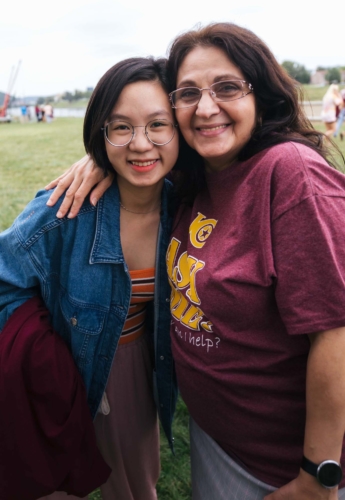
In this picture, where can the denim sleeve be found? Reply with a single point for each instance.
(18, 276)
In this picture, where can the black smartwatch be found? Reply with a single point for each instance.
(328, 472)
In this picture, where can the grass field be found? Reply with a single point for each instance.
(31, 155)
(314, 92)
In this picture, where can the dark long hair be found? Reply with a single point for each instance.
(106, 94)
(278, 97)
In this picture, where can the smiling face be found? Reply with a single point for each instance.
(140, 163)
(216, 130)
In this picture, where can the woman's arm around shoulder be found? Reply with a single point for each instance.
(82, 178)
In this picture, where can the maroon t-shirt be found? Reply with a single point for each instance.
(255, 265)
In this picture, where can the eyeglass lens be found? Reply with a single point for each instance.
(159, 132)
(220, 91)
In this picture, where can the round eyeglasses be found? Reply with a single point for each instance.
(159, 132)
(228, 90)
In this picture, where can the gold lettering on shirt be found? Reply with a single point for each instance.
(182, 275)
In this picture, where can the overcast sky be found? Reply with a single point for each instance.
(69, 44)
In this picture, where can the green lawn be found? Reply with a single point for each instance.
(338, 142)
(31, 155)
(315, 93)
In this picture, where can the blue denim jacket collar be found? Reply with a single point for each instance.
(107, 246)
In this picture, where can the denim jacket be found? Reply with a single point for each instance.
(77, 266)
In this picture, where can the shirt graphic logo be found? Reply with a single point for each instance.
(200, 229)
(182, 275)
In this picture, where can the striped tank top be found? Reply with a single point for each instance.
(143, 288)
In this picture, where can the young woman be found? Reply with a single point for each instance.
(256, 263)
(103, 278)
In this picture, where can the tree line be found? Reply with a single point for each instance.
(302, 75)
(67, 96)
(294, 69)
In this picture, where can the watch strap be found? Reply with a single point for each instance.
(309, 466)
(328, 473)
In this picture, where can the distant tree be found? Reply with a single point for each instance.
(333, 75)
(40, 100)
(67, 96)
(321, 68)
(297, 71)
(78, 94)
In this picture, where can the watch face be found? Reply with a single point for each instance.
(329, 474)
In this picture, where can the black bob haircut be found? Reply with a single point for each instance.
(106, 94)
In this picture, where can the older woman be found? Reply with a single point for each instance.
(256, 264)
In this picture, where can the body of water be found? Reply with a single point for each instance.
(58, 112)
(312, 109)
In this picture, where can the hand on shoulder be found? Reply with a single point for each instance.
(77, 182)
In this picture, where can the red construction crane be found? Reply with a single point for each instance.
(4, 117)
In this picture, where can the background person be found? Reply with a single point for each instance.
(48, 112)
(28, 113)
(341, 117)
(24, 114)
(38, 113)
(102, 275)
(330, 101)
(257, 323)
